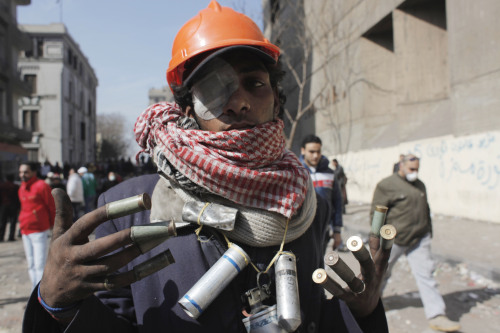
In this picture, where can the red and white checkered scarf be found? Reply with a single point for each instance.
(250, 167)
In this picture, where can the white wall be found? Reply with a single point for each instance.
(462, 174)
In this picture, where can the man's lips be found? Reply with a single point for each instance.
(240, 126)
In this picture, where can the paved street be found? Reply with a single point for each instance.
(468, 274)
(467, 271)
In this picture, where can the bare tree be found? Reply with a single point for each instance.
(112, 143)
(302, 35)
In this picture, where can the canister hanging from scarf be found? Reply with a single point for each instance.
(211, 284)
(287, 292)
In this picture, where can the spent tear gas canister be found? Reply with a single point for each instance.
(265, 321)
(211, 284)
(287, 292)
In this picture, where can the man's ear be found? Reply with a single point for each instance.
(189, 111)
(302, 151)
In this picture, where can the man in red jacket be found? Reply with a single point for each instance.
(35, 219)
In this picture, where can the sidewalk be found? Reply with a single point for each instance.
(455, 240)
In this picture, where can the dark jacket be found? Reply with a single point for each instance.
(150, 305)
(328, 188)
(408, 210)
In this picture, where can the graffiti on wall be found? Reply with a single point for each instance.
(477, 158)
(462, 174)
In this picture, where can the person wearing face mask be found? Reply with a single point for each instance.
(111, 181)
(406, 197)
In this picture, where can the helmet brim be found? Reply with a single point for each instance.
(265, 57)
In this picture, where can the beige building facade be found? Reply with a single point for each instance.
(12, 87)
(61, 110)
(407, 76)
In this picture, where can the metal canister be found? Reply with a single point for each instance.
(387, 234)
(378, 220)
(358, 249)
(265, 321)
(287, 292)
(211, 284)
(128, 206)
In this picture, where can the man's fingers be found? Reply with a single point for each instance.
(102, 246)
(374, 242)
(110, 264)
(86, 224)
(333, 260)
(358, 249)
(64, 213)
(139, 272)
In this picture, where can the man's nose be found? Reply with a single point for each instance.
(238, 104)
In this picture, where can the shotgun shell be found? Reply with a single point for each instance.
(356, 246)
(148, 236)
(128, 206)
(378, 219)
(153, 265)
(213, 282)
(387, 234)
(333, 260)
(287, 292)
(321, 277)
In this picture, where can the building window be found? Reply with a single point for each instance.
(382, 33)
(70, 57)
(81, 100)
(39, 48)
(70, 127)
(30, 79)
(3, 107)
(275, 8)
(30, 120)
(70, 93)
(89, 108)
(82, 131)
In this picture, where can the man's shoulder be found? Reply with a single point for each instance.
(40, 184)
(132, 186)
(389, 181)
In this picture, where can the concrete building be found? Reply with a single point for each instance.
(61, 110)
(12, 41)
(163, 94)
(403, 76)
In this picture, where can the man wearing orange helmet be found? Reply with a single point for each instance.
(240, 202)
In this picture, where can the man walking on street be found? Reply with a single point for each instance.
(325, 183)
(341, 178)
(405, 196)
(35, 219)
(74, 189)
(9, 208)
(89, 188)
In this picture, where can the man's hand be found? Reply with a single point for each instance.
(76, 268)
(363, 292)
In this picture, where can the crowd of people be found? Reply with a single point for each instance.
(83, 182)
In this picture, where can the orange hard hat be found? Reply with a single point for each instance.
(214, 27)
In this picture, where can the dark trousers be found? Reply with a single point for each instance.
(8, 215)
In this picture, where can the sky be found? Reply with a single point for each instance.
(127, 43)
